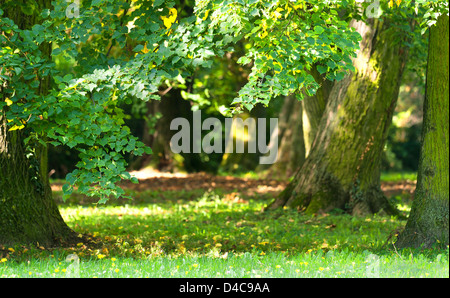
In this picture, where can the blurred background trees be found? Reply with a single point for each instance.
(213, 89)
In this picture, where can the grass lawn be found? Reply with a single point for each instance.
(200, 233)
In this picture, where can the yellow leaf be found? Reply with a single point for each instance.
(281, 67)
(264, 34)
(277, 13)
(169, 20)
(145, 50)
(8, 101)
(15, 127)
(206, 15)
(391, 3)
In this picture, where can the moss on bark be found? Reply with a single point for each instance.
(428, 223)
(28, 213)
(342, 169)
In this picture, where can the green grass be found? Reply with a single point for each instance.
(208, 234)
(398, 176)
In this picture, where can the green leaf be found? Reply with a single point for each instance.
(157, 3)
(138, 48)
(318, 30)
(339, 76)
(148, 150)
(67, 191)
(103, 200)
(322, 69)
(244, 60)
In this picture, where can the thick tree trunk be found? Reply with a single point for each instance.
(291, 151)
(298, 124)
(234, 161)
(313, 108)
(428, 222)
(342, 170)
(171, 106)
(28, 213)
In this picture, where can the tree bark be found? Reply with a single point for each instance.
(342, 170)
(291, 151)
(28, 213)
(428, 222)
(158, 135)
(234, 161)
(298, 125)
(313, 108)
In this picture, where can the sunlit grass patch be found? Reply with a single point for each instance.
(398, 176)
(332, 264)
(211, 235)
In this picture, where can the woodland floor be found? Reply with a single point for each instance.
(151, 180)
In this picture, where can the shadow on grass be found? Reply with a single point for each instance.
(204, 222)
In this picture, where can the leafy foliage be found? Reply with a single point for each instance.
(301, 35)
(129, 49)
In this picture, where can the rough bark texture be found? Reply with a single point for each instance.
(28, 213)
(428, 222)
(298, 125)
(342, 170)
(313, 108)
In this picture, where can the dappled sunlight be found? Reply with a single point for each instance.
(153, 180)
(216, 234)
(165, 218)
(226, 223)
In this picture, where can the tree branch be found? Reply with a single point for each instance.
(121, 24)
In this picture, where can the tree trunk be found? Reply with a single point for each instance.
(291, 151)
(298, 125)
(342, 170)
(234, 161)
(313, 108)
(171, 106)
(28, 213)
(429, 218)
